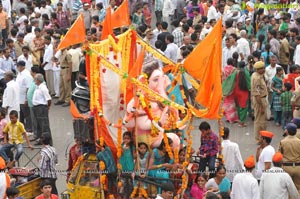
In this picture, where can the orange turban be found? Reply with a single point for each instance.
(249, 162)
(267, 134)
(277, 157)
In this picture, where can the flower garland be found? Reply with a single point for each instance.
(156, 96)
(183, 185)
(102, 166)
(141, 192)
(168, 148)
(176, 155)
(79, 160)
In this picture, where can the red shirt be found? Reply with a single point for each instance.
(290, 78)
(53, 196)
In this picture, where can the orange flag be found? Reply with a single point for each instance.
(210, 90)
(121, 16)
(134, 72)
(197, 62)
(75, 35)
(107, 25)
(206, 67)
(74, 111)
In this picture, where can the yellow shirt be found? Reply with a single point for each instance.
(15, 132)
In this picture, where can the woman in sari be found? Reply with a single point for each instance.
(241, 92)
(229, 103)
(277, 89)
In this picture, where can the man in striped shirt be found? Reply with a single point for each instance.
(47, 162)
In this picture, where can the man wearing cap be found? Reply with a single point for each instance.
(4, 179)
(275, 183)
(290, 149)
(244, 184)
(296, 121)
(259, 93)
(11, 94)
(264, 153)
(23, 80)
(168, 190)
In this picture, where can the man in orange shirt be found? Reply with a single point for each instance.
(3, 25)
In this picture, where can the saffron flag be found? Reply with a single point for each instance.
(107, 25)
(121, 16)
(205, 66)
(134, 72)
(197, 62)
(75, 35)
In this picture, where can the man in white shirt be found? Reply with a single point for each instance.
(297, 51)
(172, 49)
(232, 156)
(226, 52)
(28, 38)
(41, 103)
(26, 57)
(6, 64)
(168, 190)
(76, 54)
(212, 12)
(275, 183)
(45, 9)
(11, 94)
(264, 152)
(243, 47)
(271, 70)
(24, 79)
(168, 12)
(47, 64)
(244, 184)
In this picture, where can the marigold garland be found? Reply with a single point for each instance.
(79, 160)
(140, 191)
(102, 166)
(119, 142)
(168, 148)
(176, 155)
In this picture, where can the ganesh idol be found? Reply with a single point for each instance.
(146, 115)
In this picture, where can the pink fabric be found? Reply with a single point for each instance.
(196, 192)
(3, 123)
(229, 102)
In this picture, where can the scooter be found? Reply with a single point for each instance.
(81, 97)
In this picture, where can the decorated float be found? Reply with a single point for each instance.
(130, 92)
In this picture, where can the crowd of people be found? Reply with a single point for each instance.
(260, 75)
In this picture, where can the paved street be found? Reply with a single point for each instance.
(62, 132)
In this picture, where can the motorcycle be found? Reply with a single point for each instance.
(81, 98)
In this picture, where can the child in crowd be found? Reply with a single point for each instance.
(12, 193)
(127, 163)
(13, 138)
(138, 17)
(285, 101)
(198, 188)
(3, 123)
(46, 189)
(277, 89)
(143, 160)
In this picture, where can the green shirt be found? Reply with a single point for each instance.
(285, 99)
(30, 92)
